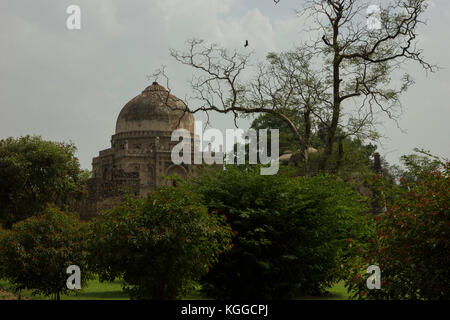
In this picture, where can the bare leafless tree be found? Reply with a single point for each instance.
(283, 84)
(349, 65)
(363, 59)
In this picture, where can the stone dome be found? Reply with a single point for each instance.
(155, 109)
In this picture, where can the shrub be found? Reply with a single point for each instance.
(37, 251)
(290, 233)
(411, 242)
(160, 245)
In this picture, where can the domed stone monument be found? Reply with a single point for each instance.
(139, 158)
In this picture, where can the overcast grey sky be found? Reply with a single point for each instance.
(70, 85)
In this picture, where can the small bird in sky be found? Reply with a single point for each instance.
(246, 44)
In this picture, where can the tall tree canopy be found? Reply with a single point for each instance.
(33, 173)
(344, 80)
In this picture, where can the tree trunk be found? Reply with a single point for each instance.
(307, 117)
(335, 118)
(340, 155)
(336, 96)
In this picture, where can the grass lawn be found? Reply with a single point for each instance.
(337, 292)
(97, 290)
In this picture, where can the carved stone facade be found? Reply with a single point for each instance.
(139, 158)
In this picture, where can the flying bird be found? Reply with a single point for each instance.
(246, 44)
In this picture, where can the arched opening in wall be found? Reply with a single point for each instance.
(177, 170)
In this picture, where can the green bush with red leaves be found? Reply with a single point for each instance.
(410, 242)
(35, 254)
(160, 245)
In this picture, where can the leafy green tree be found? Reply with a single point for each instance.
(350, 155)
(416, 164)
(290, 233)
(159, 246)
(286, 137)
(35, 254)
(33, 173)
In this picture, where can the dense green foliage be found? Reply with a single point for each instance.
(3, 233)
(415, 165)
(349, 154)
(410, 243)
(290, 233)
(160, 245)
(33, 173)
(287, 139)
(35, 254)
